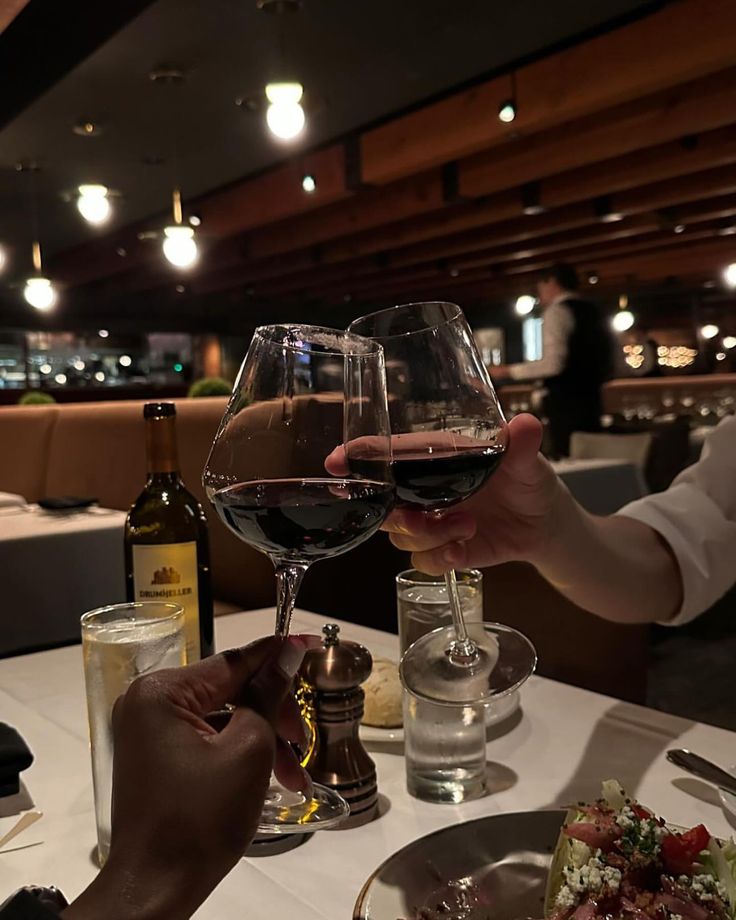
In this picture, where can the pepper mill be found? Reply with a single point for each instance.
(334, 673)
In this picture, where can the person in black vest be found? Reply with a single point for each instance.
(577, 358)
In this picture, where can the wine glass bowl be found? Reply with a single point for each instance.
(302, 392)
(448, 428)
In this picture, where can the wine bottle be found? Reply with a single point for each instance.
(166, 543)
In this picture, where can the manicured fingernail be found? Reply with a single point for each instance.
(291, 655)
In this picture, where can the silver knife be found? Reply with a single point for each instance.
(703, 768)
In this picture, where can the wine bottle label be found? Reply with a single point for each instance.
(168, 572)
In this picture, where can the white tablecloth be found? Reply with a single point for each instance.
(10, 499)
(564, 743)
(601, 486)
(53, 568)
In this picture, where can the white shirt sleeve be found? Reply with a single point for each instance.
(557, 325)
(697, 518)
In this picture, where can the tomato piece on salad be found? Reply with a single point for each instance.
(680, 851)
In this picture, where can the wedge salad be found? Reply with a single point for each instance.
(616, 860)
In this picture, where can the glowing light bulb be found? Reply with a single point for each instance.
(93, 203)
(285, 115)
(729, 342)
(729, 275)
(525, 304)
(40, 293)
(709, 331)
(507, 111)
(103, 333)
(60, 379)
(125, 360)
(622, 320)
(3, 258)
(45, 368)
(309, 184)
(180, 247)
(99, 376)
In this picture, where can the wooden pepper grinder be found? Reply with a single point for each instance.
(334, 673)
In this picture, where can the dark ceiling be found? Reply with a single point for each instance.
(360, 61)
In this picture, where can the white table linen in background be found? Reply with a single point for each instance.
(10, 500)
(54, 567)
(556, 752)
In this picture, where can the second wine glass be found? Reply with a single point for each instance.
(449, 434)
(302, 391)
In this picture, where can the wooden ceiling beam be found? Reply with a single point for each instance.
(679, 43)
(277, 194)
(512, 241)
(9, 9)
(511, 263)
(600, 177)
(423, 194)
(692, 108)
(667, 256)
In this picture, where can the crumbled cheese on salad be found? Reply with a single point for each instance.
(587, 879)
(626, 818)
(704, 887)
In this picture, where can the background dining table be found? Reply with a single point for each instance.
(554, 751)
(54, 566)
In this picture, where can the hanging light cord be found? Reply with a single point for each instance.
(36, 244)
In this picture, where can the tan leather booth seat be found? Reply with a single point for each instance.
(25, 441)
(97, 449)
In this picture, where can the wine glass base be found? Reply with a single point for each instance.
(505, 659)
(287, 812)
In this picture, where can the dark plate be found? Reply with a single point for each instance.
(494, 868)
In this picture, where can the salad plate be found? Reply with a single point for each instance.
(613, 858)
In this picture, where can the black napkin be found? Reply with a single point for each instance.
(66, 503)
(15, 757)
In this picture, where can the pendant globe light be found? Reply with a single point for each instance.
(38, 290)
(285, 116)
(623, 319)
(93, 203)
(179, 241)
(180, 245)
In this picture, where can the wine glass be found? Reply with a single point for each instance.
(301, 392)
(448, 436)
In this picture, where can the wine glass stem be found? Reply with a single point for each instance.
(288, 580)
(462, 649)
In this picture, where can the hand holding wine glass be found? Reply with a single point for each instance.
(507, 520)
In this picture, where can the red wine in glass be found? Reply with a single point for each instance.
(304, 519)
(433, 482)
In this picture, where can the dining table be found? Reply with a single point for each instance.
(553, 751)
(54, 564)
(11, 500)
